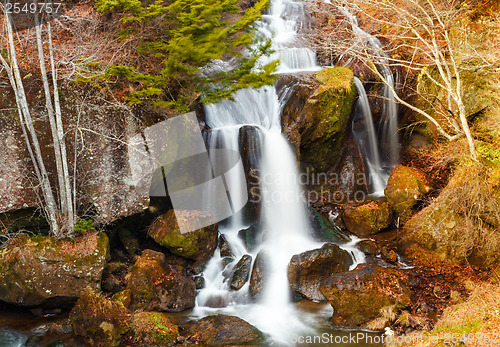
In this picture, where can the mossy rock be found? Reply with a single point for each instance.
(198, 244)
(326, 118)
(323, 230)
(461, 225)
(367, 219)
(100, 321)
(358, 296)
(41, 270)
(318, 115)
(156, 285)
(406, 187)
(222, 330)
(153, 329)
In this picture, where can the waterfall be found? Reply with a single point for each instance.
(388, 129)
(284, 223)
(366, 138)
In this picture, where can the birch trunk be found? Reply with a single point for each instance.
(50, 206)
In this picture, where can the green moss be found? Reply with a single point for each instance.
(153, 329)
(489, 152)
(327, 113)
(83, 226)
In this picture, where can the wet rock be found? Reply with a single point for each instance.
(40, 270)
(251, 236)
(323, 230)
(199, 281)
(320, 114)
(241, 272)
(259, 276)
(156, 285)
(153, 329)
(307, 270)
(224, 249)
(100, 321)
(369, 247)
(198, 244)
(405, 188)
(358, 296)
(367, 219)
(222, 330)
(128, 241)
(249, 142)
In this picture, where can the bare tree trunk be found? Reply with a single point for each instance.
(50, 206)
(50, 112)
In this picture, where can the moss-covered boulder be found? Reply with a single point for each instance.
(307, 270)
(41, 270)
(358, 296)
(156, 285)
(405, 188)
(99, 321)
(198, 244)
(222, 330)
(461, 225)
(367, 219)
(320, 115)
(153, 329)
(241, 272)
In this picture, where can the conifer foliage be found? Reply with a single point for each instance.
(202, 48)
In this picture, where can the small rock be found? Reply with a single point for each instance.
(241, 272)
(156, 285)
(222, 330)
(405, 188)
(260, 275)
(367, 219)
(307, 270)
(153, 329)
(199, 244)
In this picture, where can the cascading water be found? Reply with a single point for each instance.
(366, 137)
(284, 221)
(379, 166)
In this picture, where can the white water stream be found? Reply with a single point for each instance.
(284, 221)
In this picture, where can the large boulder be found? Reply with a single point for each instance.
(367, 219)
(224, 330)
(405, 188)
(319, 112)
(153, 329)
(41, 270)
(307, 270)
(156, 285)
(198, 244)
(99, 321)
(461, 225)
(358, 296)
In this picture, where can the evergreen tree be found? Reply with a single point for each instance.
(186, 37)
